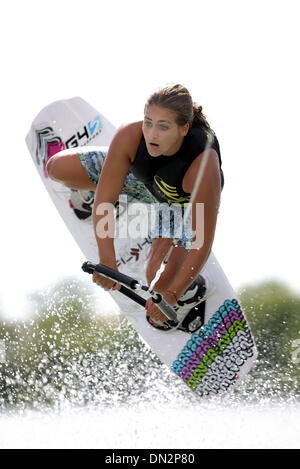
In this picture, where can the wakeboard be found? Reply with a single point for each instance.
(210, 357)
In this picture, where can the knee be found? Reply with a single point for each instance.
(52, 167)
(56, 167)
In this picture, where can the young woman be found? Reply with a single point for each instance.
(164, 153)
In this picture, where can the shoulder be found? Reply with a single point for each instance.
(128, 137)
(212, 175)
(129, 132)
(194, 143)
(198, 136)
(199, 139)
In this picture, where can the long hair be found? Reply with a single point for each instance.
(178, 99)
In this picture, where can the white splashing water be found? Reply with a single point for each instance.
(146, 426)
(125, 398)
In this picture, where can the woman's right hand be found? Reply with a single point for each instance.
(104, 282)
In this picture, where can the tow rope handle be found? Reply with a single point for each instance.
(128, 284)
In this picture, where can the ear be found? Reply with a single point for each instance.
(185, 129)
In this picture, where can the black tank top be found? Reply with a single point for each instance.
(163, 175)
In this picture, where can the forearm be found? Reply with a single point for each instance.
(193, 264)
(190, 268)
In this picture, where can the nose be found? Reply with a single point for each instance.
(153, 133)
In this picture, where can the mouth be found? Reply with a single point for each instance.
(153, 145)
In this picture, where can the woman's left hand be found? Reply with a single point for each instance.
(153, 310)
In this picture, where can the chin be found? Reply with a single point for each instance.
(153, 152)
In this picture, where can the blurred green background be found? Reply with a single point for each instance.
(69, 352)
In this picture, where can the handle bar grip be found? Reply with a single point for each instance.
(110, 273)
(88, 267)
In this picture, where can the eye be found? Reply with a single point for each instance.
(147, 124)
(163, 127)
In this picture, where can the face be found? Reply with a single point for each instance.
(163, 136)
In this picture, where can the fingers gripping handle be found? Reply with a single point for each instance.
(165, 307)
(133, 284)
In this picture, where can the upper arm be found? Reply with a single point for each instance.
(117, 162)
(209, 193)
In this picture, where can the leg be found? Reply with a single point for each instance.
(66, 168)
(159, 249)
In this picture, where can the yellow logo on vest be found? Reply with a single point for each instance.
(170, 191)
